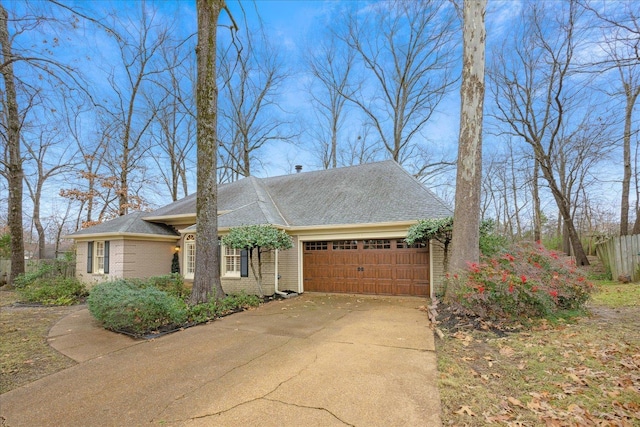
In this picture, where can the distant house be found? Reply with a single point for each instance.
(347, 224)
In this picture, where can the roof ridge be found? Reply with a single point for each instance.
(323, 171)
(421, 184)
(261, 191)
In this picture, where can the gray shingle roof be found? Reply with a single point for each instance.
(371, 193)
(132, 223)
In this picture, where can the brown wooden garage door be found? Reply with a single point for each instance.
(366, 266)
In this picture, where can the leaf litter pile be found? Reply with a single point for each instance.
(583, 372)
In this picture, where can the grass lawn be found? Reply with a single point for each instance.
(25, 355)
(583, 372)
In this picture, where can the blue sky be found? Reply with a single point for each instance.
(291, 25)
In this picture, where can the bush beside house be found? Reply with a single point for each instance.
(140, 307)
(526, 281)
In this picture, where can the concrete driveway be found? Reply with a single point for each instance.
(313, 360)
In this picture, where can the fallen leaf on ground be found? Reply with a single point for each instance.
(515, 401)
(507, 351)
(465, 410)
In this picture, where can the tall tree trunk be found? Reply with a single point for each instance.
(466, 220)
(15, 173)
(565, 212)
(207, 273)
(38, 222)
(566, 240)
(631, 97)
(537, 210)
(636, 226)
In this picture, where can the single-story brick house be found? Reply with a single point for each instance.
(347, 226)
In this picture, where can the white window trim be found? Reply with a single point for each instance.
(98, 257)
(189, 256)
(223, 263)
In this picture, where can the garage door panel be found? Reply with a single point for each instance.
(368, 287)
(372, 267)
(380, 272)
(386, 286)
(344, 272)
(403, 287)
(421, 289)
(404, 274)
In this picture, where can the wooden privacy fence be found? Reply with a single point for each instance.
(66, 269)
(621, 255)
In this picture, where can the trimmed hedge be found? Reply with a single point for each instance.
(126, 306)
(140, 307)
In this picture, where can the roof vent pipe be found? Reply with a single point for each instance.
(298, 168)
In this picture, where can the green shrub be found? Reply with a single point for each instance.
(526, 282)
(490, 242)
(123, 305)
(140, 307)
(239, 301)
(171, 284)
(51, 291)
(48, 284)
(201, 313)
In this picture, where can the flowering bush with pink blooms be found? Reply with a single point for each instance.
(526, 282)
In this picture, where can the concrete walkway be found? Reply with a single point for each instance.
(314, 360)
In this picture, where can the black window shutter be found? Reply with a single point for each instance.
(219, 257)
(89, 257)
(106, 257)
(244, 263)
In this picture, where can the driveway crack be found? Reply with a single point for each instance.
(265, 397)
(313, 407)
(194, 390)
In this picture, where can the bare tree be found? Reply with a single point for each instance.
(330, 67)
(630, 79)
(359, 149)
(174, 119)
(504, 198)
(40, 154)
(39, 71)
(90, 185)
(533, 98)
(636, 226)
(249, 111)
(535, 195)
(13, 169)
(406, 55)
(206, 281)
(622, 44)
(139, 44)
(465, 245)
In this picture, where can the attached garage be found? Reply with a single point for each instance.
(374, 266)
(347, 225)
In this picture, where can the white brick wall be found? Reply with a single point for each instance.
(437, 266)
(288, 267)
(234, 285)
(127, 259)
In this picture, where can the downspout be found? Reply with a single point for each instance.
(431, 282)
(282, 294)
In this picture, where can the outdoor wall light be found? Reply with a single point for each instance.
(177, 248)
